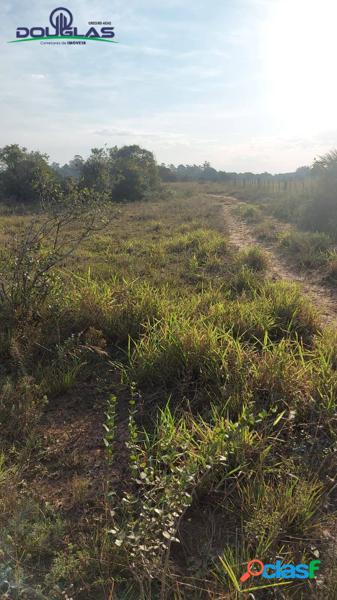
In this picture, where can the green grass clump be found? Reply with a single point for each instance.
(276, 308)
(330, 271)
(119, 309)
(280, 377)
(307, 250)
(254, 258)
(293, 314)
(266, 231)
(244, 281)
(175, 352)
(249, 212)
(291, 510)
(201, 243)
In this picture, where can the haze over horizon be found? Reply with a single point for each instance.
(247, 85)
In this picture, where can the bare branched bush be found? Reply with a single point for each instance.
(49, 241)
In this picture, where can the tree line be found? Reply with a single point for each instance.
(205, 172)
(121, 174)
(128, 173)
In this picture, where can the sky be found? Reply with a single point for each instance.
(248, 85)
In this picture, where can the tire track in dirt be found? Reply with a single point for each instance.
(241, 236)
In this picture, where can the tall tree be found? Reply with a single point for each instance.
(21, 172)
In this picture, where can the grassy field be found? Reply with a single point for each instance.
(167, 413)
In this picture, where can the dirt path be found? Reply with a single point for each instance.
(241, 236)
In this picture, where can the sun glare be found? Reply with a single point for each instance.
(299, 52)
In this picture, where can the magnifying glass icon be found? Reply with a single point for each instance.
(251, 571)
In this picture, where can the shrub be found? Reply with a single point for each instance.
(29, 270)
(168, 468)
